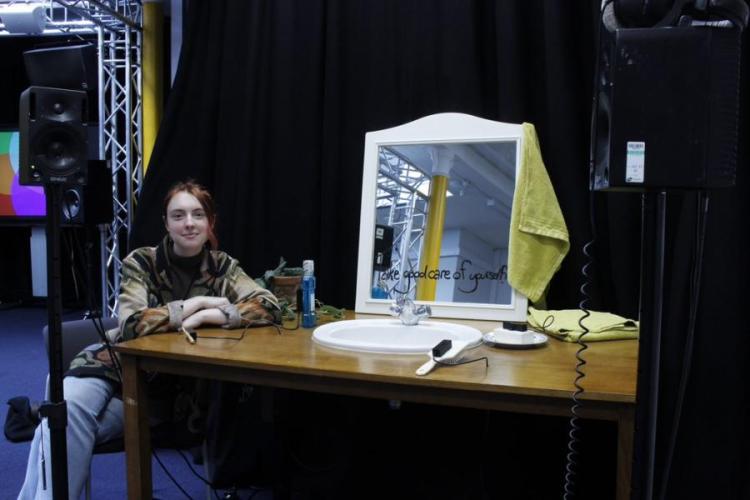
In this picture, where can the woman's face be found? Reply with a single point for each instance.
(187, 224)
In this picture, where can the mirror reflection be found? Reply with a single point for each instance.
(442, 217)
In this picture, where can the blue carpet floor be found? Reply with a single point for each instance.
(23, 370)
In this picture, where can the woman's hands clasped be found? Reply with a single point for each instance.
(203, 310)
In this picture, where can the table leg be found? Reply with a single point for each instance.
(625, 430)
(137, 432)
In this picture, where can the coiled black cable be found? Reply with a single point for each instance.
(571, 464)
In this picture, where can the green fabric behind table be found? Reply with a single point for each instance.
(564, 325)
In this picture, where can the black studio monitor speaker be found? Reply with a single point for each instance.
(53, 136)
(383, 247)
(64, 66)
(90, 204)
(667, 97)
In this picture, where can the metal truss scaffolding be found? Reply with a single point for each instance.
(120, 135)
(117, 25)
(401, 203)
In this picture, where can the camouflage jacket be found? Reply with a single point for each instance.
(147, 304)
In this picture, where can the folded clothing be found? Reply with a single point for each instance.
(564, 325)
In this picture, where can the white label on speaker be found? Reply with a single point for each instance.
(635, 162)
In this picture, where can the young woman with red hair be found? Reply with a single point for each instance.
(183, 282)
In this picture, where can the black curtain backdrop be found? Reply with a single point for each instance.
(270, 107)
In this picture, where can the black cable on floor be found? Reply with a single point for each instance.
(163, 467)
(195, 472)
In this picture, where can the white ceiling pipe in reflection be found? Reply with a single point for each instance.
(442, 160)
(492, 174)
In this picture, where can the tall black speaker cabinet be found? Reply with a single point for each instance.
(665, 107)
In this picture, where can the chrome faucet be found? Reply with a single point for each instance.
(408, 312)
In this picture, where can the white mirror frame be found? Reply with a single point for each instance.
(432, 129)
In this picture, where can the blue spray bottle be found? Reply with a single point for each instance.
(308, 294)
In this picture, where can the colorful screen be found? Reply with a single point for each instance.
(16, 200)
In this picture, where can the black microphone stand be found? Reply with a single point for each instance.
(649, 344)
(55, 409)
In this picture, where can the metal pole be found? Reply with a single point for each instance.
(55, 409)
(649, 346)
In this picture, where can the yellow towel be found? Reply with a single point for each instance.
(564, 325)
(538, 234)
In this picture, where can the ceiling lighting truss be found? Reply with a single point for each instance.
(117, 25)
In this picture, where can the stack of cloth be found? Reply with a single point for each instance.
(565, 325)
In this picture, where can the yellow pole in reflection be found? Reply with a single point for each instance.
(433, 237)
(153, 19)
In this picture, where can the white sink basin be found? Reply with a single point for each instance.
(391, 336)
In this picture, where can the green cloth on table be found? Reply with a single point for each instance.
(564, 325)
(538, 235)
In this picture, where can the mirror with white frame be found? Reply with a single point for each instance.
(437, 195)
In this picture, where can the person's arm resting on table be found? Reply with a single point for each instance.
(199, 311)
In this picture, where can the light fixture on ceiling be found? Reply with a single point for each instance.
(23, 18)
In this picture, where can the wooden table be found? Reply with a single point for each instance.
(536, 381)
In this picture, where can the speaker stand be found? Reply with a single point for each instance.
(649, 345)
(55, 410)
